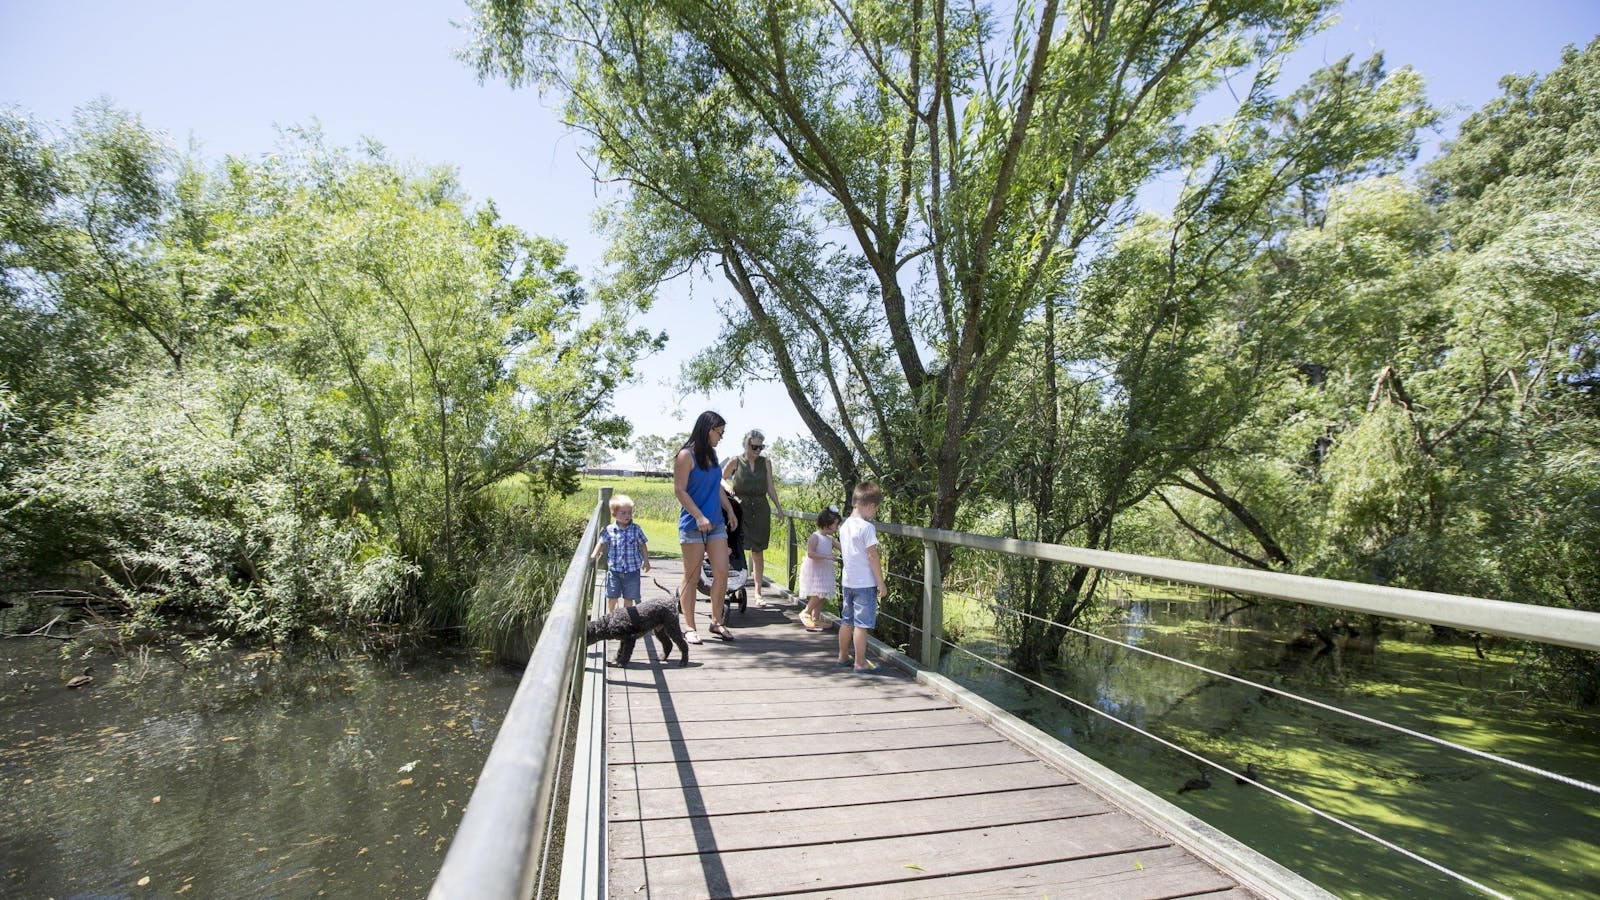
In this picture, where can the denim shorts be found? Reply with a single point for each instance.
(696, 536)
(859, 607)
(622, 584)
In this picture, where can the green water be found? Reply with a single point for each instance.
(1518, 834)
(250, 776)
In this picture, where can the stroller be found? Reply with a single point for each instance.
(738, 569)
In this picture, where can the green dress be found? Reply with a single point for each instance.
(750, 486)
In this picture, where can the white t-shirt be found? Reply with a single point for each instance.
(855, 536)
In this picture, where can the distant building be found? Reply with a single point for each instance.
(596, 472)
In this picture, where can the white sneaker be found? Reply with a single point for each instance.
(692, 636)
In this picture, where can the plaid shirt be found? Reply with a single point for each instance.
(624, 547)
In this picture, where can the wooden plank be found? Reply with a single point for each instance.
(818, 727)
(897, 860)
(688, 685)
(832, 694)
(847, 819)
(801, 790)
(726, 712)
(729, 668)
(1145, 875)
(786, 746)
(759, 771)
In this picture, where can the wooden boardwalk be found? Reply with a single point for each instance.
(763, 769)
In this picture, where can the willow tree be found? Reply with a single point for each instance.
(1181, 328)
(279, 396)
(453, 342)
(890, 190)
(1443, 400)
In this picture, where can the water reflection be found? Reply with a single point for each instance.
(1520, 834)
(252, 777)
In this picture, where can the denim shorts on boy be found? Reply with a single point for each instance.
(696, 536)
(622, 584)
(859, 607)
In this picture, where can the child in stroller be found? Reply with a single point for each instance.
(738, 569)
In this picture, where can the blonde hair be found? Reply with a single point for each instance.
(751, 435)
(867, 492)
(618, 501)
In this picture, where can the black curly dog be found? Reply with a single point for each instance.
(626, 624)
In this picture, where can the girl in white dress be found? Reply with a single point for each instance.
(816, 570)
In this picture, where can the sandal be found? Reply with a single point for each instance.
(692, 636)
(722, 631)
(871, 668)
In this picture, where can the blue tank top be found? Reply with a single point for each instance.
(705, 489)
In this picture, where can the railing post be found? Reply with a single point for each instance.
(792, 562)
(597, 604)
(932, 606)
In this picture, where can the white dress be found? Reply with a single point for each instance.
(816, 575)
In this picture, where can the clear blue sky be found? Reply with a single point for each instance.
(227, 75)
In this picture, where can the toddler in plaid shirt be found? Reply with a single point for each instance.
(623, 542)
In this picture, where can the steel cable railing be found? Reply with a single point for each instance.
(1554, 626)
(1328, 707)
(1202, 759)
(1356, 829)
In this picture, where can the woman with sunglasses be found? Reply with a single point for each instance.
(704, 523)
(753, 482)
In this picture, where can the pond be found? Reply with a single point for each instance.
(1519, 834)
(247, 776)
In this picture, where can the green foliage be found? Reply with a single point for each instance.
(1430, 420)
(1161, 347)
(198, 511)
(67, 218)
(1533, 148)
(274, 399)
(518, 578)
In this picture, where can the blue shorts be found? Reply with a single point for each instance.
(622, 584)
(696, 536)
(860, 607)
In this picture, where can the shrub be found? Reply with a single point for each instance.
(219, 517)
(518, 574)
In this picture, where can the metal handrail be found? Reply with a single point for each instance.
(1551, 625)
(496, 850)
(1565, 627)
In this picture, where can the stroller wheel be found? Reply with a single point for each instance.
(743, 598)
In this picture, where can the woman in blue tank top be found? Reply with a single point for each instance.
(704, 522)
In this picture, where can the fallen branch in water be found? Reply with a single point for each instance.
(42, 631)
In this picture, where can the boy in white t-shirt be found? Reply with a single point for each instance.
(862, 581)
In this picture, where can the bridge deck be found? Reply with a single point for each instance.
(763, 769)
